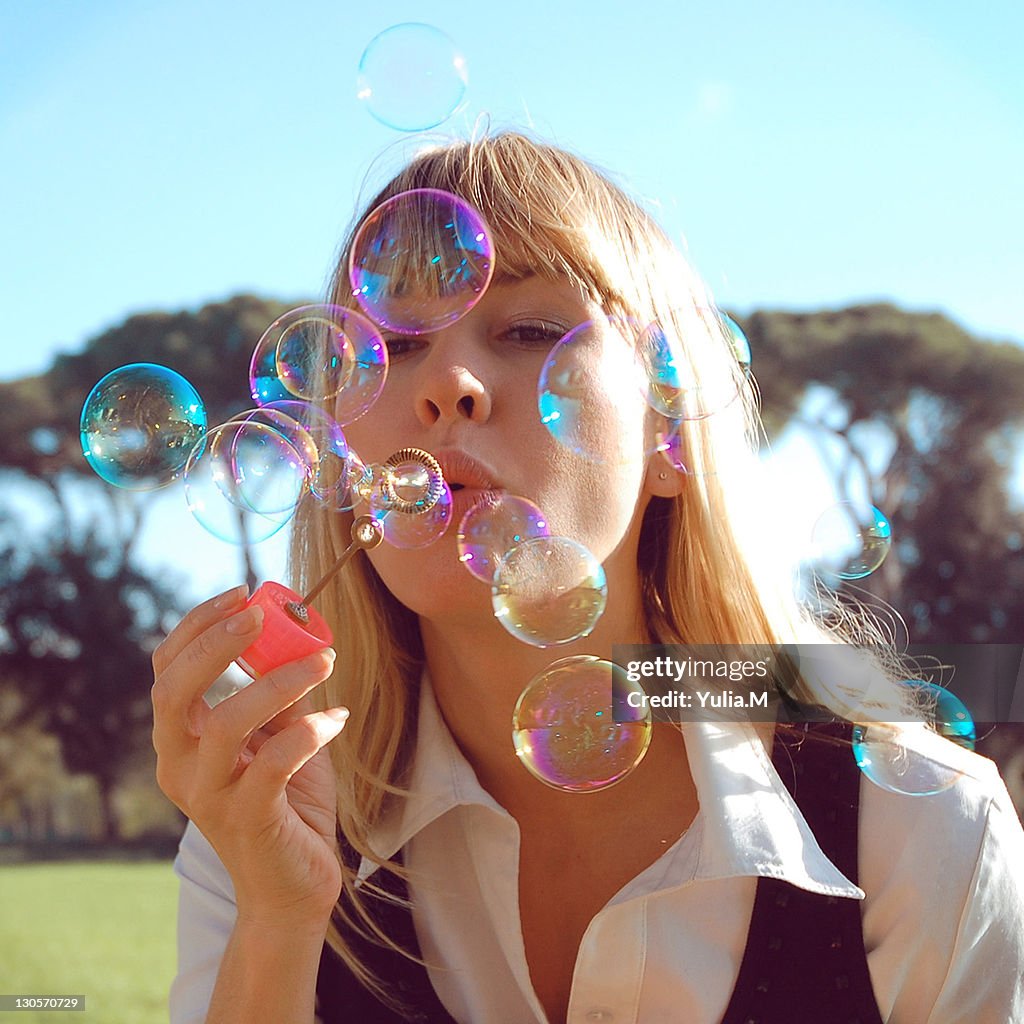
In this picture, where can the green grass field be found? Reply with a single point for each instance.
(104, 930)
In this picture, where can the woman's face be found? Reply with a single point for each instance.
(468, 395)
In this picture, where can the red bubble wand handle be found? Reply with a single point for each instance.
(292, 628)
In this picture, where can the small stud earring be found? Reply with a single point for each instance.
(663, 475)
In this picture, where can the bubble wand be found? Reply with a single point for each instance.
(292, 628)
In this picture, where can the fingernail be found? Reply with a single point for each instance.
(232, 596)
(316, 661)
(338, 714)
(245, 621)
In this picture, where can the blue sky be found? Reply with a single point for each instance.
(156, 155)
(161, 154)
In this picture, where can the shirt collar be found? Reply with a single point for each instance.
(749, 822)
(440, 779)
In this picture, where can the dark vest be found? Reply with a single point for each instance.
(804, 961)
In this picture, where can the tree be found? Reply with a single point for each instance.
(79, 626)
(39, 416)
(927, 421)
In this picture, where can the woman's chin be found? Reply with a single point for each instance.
(433, 583)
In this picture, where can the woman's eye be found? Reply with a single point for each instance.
(401, 345)
(535, 334)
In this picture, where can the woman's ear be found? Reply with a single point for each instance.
(663, 479)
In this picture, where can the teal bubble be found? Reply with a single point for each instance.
(892, 765)
(738, 341)
(139, 424)
(850, 540)
(948, 712)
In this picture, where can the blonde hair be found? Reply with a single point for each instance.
(705, 577)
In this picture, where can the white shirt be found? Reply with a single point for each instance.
(941, 880)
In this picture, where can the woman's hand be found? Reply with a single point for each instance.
(252, 772)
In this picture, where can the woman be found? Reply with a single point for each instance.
(640, 902)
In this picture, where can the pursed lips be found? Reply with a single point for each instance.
(463, 472)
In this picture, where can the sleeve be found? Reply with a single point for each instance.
(984, 983)
(206, 918)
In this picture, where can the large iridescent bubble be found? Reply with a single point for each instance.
(582, 386)
(575, 729)
(245, 478)
(139, 424)
(421, 261)
(306, 353)
(412, 77)
(304, 424)
(549, 591)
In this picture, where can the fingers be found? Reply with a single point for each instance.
(178, 690)
(199, 618)
(228, 726)
(282, 755)
(303, 706)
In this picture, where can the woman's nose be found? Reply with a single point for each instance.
(450, 392)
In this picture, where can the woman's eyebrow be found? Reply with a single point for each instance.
(505, 277)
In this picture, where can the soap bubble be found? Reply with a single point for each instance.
(888, 761)
(573, 727)
(549, 591)
(265, 384)
(413, 529)
(947, 712)
(493, 526)
(677, 386)
(918, 766)
(244, 479)
(357, 485)
(412, 77)
(850, 540)
(323, 430)
(738, 340)
(139, 424)
(951, 717)
(582, 386)
(257, 461)
(312, 356)
(369, 366)
(411, 499)
(420, 261)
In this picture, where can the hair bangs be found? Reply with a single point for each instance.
(548, 215)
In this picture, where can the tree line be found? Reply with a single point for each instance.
(907, 408)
